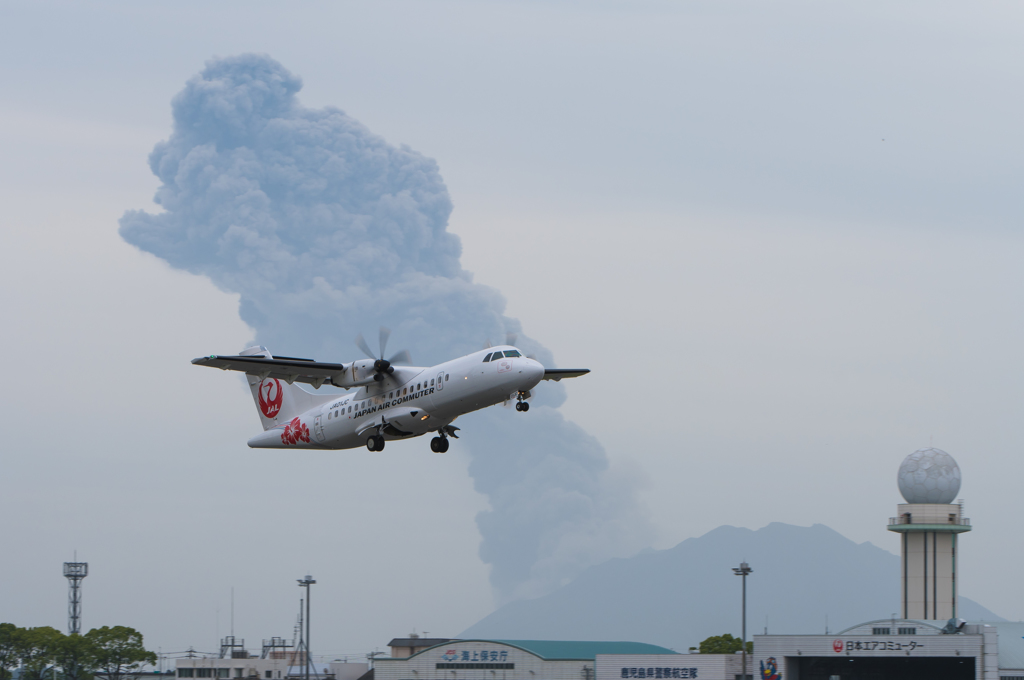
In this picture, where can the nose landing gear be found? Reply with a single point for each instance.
(521, 403)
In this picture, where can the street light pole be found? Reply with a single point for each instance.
(742, 570)
(307, 582)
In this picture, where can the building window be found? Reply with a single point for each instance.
(238, 672)
(908, 631)
(185, 673)
(268, 674)
(881, 631)
(223, 672)
(204, 672)
(475, 666)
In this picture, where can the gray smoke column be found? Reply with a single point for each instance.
(326, 231)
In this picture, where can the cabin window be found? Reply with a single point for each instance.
(391, 395)
(405, 390)
(328, 415)
(417, 387)
(446, 377)
(335, 414)
(431, 382)
(350, 409)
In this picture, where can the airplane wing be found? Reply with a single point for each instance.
(557, 374)
(288, 369)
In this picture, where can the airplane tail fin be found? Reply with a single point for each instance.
(276, 401)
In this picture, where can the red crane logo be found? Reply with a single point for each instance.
(270, 397)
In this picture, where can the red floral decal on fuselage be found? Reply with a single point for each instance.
(295, 432)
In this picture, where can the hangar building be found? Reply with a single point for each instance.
(887, 649)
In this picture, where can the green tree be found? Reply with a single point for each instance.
(37, 648)
(724, 644)
(118, 652)
(9, 647)
(75, 656)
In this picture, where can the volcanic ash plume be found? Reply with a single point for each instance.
(325, 230)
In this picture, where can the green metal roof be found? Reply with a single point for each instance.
(561, 649)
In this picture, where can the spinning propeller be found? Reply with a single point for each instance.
(382, 366)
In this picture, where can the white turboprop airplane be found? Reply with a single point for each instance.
(390, 402)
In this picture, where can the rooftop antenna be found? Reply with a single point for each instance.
(308, 580)
(75, 572)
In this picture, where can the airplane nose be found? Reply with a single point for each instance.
(536, 370)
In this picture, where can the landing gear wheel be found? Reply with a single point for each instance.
(525, 406)
(371, 444)
(444, 445)
(378, 443)
(435, 445)
(519, 406)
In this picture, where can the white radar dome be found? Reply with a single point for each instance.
(929, 476)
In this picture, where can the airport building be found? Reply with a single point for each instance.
(929, 641)
(505, 659)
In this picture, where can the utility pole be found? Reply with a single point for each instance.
(741, 570)
(307, 582)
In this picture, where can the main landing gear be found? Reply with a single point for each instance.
(439, 444)
(375, 443)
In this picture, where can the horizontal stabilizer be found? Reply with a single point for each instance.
(557, 374)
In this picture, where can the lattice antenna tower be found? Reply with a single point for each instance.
(75, 572)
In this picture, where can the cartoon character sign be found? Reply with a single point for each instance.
(770, 670)
(270, 397)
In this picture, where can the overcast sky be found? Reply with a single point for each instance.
(785, 238)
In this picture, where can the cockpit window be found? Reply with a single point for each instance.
(488, 357)
(511, 353)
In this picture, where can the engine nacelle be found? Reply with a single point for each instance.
(356, 374)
